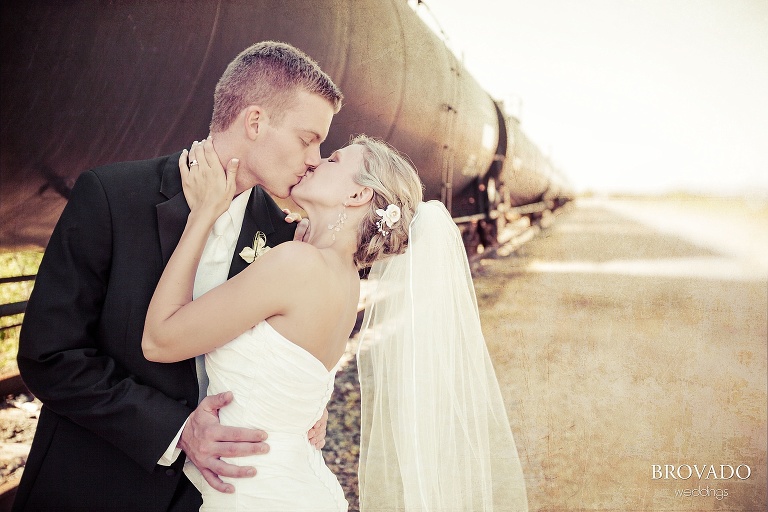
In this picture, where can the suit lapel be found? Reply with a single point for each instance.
(172, 217)
(171, 214)
(256, 218)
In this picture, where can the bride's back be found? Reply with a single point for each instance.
(323, 310)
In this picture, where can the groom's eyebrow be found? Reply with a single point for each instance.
(314, 134)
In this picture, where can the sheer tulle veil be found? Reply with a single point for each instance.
(435, 434)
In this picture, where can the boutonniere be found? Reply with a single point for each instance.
(260, 246)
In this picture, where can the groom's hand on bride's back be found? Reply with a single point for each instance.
(316, 434)
(205, 441)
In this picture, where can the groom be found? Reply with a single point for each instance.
(113, 423)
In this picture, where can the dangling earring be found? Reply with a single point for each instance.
(339, 223)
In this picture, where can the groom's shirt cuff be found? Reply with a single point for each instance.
(173, 451)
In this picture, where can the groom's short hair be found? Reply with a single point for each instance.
(268, 74)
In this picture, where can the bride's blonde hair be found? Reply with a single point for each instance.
(393, 180)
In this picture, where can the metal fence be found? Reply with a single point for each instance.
(13, 308)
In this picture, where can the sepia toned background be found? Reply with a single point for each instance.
(631, 330)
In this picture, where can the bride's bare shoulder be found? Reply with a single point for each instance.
(298, 259)
(296, 253)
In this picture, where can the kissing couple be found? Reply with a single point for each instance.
(148, 334)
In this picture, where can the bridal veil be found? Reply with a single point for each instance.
(434, 431)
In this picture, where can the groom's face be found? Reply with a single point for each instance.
(285, 148)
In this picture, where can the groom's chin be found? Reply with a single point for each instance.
(278, 193)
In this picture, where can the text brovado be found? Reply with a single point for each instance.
(703, 472)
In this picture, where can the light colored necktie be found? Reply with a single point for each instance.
(211, 272)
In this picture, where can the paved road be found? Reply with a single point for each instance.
(630, 336)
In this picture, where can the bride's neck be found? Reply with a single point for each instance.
(333, 231)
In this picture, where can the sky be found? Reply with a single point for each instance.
(638, 96)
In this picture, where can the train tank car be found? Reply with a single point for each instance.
(89, 82)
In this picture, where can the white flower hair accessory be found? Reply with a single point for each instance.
(390, 216)
(260, 246)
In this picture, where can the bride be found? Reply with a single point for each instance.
(435, 435)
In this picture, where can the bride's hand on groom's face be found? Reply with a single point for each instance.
(205, 441)
(208, 188)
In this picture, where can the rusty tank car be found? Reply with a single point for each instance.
(88, 82)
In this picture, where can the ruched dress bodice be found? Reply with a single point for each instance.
(282, 389)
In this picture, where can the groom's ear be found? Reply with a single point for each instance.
(361, 197)
(254, 116)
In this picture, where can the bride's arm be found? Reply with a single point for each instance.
(268, 287)
(208, 191)
(177, 327)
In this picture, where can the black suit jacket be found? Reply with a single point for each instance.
(108, 413)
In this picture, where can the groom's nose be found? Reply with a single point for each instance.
(313, 156)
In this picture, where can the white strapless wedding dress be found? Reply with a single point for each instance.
(282, 389)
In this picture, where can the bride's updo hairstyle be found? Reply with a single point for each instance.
(393, 181)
